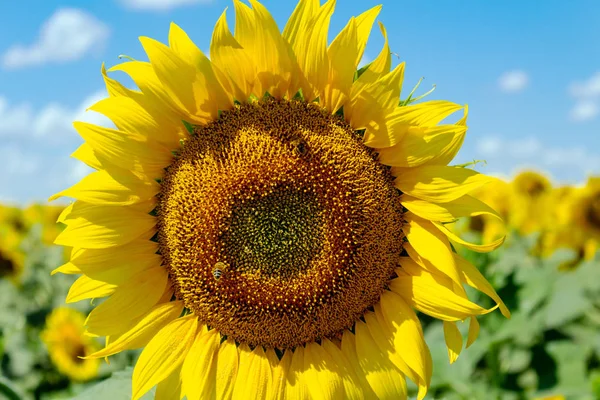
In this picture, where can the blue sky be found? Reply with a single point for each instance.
(529, 71)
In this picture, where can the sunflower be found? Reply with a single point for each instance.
(491, 226)
(267, 221)
(583, 219)
(12, 259)
(66, 343)
(531, 201)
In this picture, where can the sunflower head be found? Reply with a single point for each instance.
(67, 345)
(269, 218)
(12, 259)
(531, 203)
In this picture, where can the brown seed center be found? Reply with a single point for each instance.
(278, 226)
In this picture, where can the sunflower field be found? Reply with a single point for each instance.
(275, 217)
(548, 275)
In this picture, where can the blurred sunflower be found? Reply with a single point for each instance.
(12, 217)
(531, 202)
(281, 235)
(64, 337)
(497, 196)
(46, 216)
(585, 218)
(12, 259)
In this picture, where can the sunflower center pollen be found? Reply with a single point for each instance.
(277, 225)
(277, 234)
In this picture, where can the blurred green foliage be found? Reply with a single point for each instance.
(550, 346)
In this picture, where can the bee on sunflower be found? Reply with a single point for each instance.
(321, 197)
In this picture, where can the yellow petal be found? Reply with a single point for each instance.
(231, 58)
(118, 265)
(341, 53)
(259, 376)
(145, 78)
(407, 336)
(370, 107)
(437, 183)
(163, 355)
(382, 336)
(310, 47)
(169, 388)
(144, 329)
(85, 154)
(86, 288)
(280, 372)
(296, 386)
(67, 269)
(323, 376)
(99, 227)
(129, 115)
(426, 294)
(432, 246)
(183, 46)
(186, 86)
(364, 24)
(129, 151)
(198, 372)
(296, 26)
(227, 369)
(384, 378)
(113, 87)
(421, 146)
(453, 340)
(355, 387)
(480, 248)
(472, 277)
(376, 69)
(119, 187)
(465, 206)
(257, 32)
(429, 113)
(130, 301)
(473, 331)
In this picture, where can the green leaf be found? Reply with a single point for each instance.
(118, 386)
(8, 391)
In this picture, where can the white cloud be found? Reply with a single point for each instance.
(53, 124)
(513, 81)
(587, 99)
(584, 110)
(588, 88)
(573, 162)
(69, 34)
(159, 5)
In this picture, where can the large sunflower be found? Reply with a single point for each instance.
(265, 221)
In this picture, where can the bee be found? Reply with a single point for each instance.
(218, 269)
(300, 146)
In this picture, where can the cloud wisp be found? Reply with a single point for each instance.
(587, 99)
(568, 163)
(513, 81)
(68, 35)
(159, 5)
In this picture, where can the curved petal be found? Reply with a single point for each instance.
(453, 340)
(296, 386)
(407, 336)
(480, 248)
(431, 297)
(198, 372)
(170, 387)
(100, 227)
(355, 387)
(163, 355)
(376, 69)
(144, 329)
(323, 375)
(384, 378)
(465, 206)
(86, 155)
(86, 288)
(432, 246)
(473, 331)
(131, 300)
(129, 151)
(439, 184)
(118, 187)
(227, 360)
